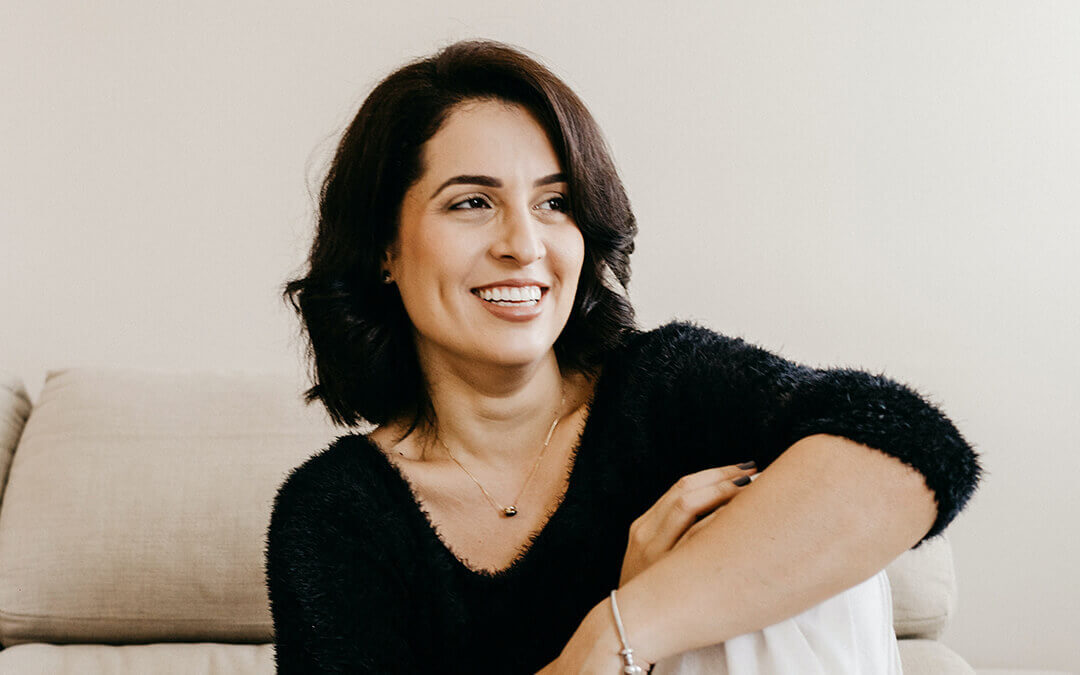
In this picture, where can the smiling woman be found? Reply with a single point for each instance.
(535, 450)
(488, 217)
(365, 358)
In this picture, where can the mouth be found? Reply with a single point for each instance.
(511, 296)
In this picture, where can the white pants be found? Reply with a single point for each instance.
(849, 634)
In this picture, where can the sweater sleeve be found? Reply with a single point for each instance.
(721, 400)
(337, 604)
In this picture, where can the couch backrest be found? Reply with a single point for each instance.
(137, 506)
(14, 409)
(923, 584)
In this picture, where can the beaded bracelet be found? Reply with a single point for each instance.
(629, 667)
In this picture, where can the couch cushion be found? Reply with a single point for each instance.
(930, 657)
(160, 659)
(923, 589)
(14, 409)
(137, 506)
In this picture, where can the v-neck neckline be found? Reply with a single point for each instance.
(526, 550)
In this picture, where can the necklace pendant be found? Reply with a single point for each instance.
(510, 511)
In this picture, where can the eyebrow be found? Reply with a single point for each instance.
(488, 181)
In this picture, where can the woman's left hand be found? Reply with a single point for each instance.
(594, 647)
(680, 513)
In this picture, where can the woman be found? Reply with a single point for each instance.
(533, 449)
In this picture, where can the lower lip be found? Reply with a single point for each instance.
(514, 312)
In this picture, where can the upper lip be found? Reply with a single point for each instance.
(513, 282)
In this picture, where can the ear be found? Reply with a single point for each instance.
(386, 267)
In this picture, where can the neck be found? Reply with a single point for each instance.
(498, 416)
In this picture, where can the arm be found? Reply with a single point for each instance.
(827, 514)
(337, 607)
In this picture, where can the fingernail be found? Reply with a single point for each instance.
(741, 481)
(747, 465)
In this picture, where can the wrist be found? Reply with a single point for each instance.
(595, 647)
(633, 661)
(643, 633)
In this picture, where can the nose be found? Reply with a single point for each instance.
(519, 237)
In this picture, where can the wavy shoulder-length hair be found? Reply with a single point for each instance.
(360, 340)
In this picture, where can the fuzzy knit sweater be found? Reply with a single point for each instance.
(360, 582)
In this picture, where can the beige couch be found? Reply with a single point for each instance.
(133, 516)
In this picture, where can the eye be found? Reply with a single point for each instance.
(554, 204)
(473, 202)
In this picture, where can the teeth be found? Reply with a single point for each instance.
(523, 294)
(513, 303)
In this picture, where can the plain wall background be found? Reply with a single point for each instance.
(892, 186)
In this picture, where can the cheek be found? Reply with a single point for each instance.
(438, 266)
(416, 276)
(427, 251)
(571, 251)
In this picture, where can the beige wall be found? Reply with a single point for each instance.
(895, 188)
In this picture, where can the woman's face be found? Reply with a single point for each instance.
(487, 257)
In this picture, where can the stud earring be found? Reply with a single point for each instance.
(386, 278)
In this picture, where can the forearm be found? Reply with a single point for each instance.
(826, 515)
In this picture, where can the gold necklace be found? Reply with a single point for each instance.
(511, 510)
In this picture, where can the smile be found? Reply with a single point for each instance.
(512, 303)
(515, 295)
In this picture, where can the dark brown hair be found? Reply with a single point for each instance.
(364, 363)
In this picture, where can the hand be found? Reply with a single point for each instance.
(675, 516)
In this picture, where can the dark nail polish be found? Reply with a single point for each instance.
(741, 481)
(747, 465)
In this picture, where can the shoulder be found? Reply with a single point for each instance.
(678, 341)
(342, 481)
(337, 513)
(335, 567)
(678, 371)
(683, 349)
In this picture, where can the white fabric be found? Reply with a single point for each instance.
(849, 634)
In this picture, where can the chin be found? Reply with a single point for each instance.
(517, 354)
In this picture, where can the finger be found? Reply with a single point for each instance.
(705, 499)
(697, 527)
(685, 510)
(708, 518)
(710, 479)
(698, 479)
(681, 499)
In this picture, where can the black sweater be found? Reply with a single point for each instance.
(359, 581)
